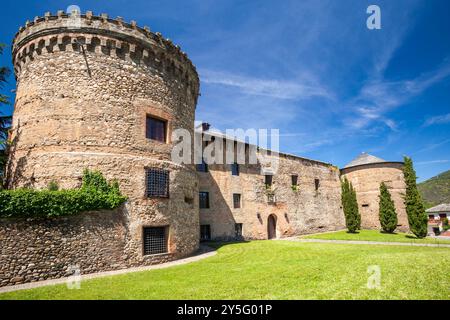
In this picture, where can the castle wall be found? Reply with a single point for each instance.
(366, 180)
(33, 249)
(297, 212)
(86, 107)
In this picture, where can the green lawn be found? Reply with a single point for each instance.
(277, 270)
(374, 235)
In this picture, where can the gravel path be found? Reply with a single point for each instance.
(204, 252)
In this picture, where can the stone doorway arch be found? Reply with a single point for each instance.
(272, 226)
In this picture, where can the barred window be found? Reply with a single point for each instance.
(317, 184)
(235, 169)
(157, 183)
(203, 199)
(268, 179)
(294, 179)
(238, 230)
(236, 200)
(202, 167)
(156, 129)
(155, 240)
(205, 232)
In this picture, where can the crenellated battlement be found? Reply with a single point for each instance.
(102, 35)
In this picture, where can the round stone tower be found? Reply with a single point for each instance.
(101, 93)
(366, 173)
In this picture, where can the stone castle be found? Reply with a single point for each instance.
(101, 93)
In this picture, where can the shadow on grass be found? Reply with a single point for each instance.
(215, 245)
(388, 233)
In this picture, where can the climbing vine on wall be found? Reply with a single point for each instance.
(95, 194)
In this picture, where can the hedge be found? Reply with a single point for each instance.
(95, 194)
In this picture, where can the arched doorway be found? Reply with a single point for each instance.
(272, 227)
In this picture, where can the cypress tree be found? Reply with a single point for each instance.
(350, 206)
(355, 207)
(415, 209)
(387, 214)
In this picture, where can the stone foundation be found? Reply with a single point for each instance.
(40, 249)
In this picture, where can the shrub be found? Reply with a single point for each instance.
(95, 194)
(445, 224)
(53, 186)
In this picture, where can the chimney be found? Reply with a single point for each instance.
(205, 126)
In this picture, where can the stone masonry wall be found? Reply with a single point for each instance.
(297, 212)
(33, 250)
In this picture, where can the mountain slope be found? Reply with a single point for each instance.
(436, 190)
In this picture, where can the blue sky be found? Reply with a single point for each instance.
(310, 68)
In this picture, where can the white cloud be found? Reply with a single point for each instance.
(274, 88)
(442, 119)
(431, 162)
(379, 97)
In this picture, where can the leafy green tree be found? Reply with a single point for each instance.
(415, 209)
(4, 119)
(387, 214)
(350, 206)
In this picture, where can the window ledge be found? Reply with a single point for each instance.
(156, 254)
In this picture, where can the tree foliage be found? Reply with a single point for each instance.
(5, 120)
(415, 209)
(350, 206)
(387, 214)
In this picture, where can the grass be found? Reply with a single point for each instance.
(277, 270)
(374, 235)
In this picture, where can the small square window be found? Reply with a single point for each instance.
(238, 230)
(203, 200)
(236, 200)
(205, 232)
(268, 179)
(156, 129)
(155, 240)
(157, 184)
(202, 167)
(235, 169)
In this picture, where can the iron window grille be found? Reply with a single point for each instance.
(202, 167)
(235, 169)
(203, 199)
(155, 240)
(157, 183)
(236, 200)
(205, 232)
(156, 129)
(268, 179)
(238, 230)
